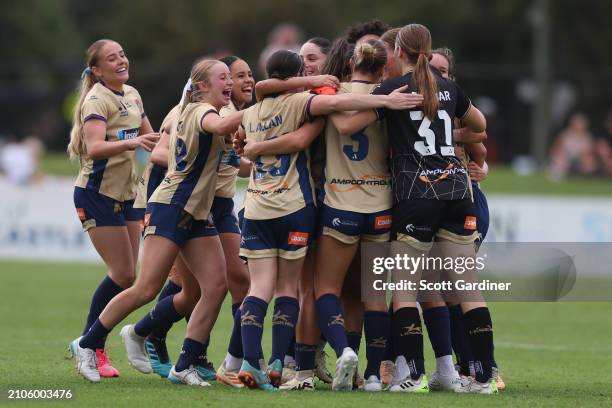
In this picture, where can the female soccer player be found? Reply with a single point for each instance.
(109, 124)
(279, 212)
(178, 219)
(431, 200)
(314, 53)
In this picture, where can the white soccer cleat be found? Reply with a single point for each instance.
(439, 382)
(87, 365)
(288, 372)
(409, 385)
(345, 369)
(372, 384)
(189, 376)
(470, 385)
(307, 384)
(136, 349)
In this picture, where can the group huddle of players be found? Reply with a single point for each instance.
(366, 139)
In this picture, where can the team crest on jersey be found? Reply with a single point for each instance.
(123, 108)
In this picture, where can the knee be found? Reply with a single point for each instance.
(124, 277)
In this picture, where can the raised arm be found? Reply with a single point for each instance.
(292, 142)
(98, 148)
(397, 100)
(348, 123)
(217, 125)
(274, 86)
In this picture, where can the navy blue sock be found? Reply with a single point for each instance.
(354, 340)
(170, 289)
(480, 331)
(286, 310)
(235, 343)
(305, 356)
(437, 321)
(390, 353)
(291, 349)
(331, 321)
(376, 328)
(191, 354)
(163, 315)
(251, 327)
(409, 339)
(206, 344)
(94, 339)
(105, 292)
(460, 340)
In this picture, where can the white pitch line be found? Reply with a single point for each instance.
(547, 347)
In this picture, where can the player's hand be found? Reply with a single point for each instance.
(399, 100)
(317, 81)
(238, 143)
(251, 150)
(477, 173)
(146, 141)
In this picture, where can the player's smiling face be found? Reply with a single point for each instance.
(440, 63)
(112, 66)
(313, 58)
(218, 89)
(242, 90)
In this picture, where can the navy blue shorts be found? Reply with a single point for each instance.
(285, 237)
(97, 210)
(482, 213)
(349, 226)
(172, 222)
(223, 215)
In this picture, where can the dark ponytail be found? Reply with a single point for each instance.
(415, 42)
(284, 64)
(338, 60)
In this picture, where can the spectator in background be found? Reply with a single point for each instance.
(285, 36)
(603, 146)
(573, 152)
(19, 159)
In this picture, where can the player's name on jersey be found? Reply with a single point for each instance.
(267, 124)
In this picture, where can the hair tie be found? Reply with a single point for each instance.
(187, 88)
(422, 53)
(85, 72)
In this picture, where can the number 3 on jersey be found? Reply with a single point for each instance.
(363, 145)
(428, 147)
(281, 170)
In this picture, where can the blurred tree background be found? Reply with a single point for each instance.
(43, 46)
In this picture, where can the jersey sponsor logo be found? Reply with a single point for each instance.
(412, 228)
(81, 214)
(382, 222)
(440, 174)
(147, 219)
(298, 238)
(275, 189)
(470, 223)
(126, 134)
(266, 125)
(369, 180)
(336, 222)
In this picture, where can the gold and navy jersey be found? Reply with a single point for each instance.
(279, 184)
(423, 161)
(192, 164)
(356, 167)
(229, 162)
(116, 176)
(152, 172)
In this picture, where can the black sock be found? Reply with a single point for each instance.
(94, 339)
(408, 335)
(105, 292)
(235, 343)
(376, 327)
(460, 340)
(480, 330)
(390, 353)
(354, 340)
(190, 354)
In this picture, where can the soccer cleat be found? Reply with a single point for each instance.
(470, 385)
(275, 372)
(345, 369)
(104, 368)
(206, 370)
(288, 372)
(307, 384)
(409, 385)
(228, 377)
(372, 384)
(439, 382)
(501, 385)
(188, 376)
(254, 378)
(158, 356)
(135, 348)
(321, 371)
(86, 361)
(387, 371)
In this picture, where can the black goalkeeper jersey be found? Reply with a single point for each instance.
(423, 161)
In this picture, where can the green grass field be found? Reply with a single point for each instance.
(501, 180)
(555, 354)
